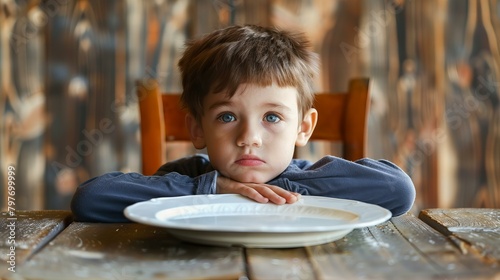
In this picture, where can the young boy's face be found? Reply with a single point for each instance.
(251, 136)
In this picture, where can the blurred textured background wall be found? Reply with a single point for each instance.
(68, 109)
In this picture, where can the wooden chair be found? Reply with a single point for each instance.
(342, 117)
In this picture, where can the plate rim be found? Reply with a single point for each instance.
(145, 212)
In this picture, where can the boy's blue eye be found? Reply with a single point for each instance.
(272, 118)
(226, 117)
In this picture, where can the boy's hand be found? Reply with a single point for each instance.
(262, 193)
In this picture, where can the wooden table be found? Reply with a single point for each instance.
(439, 244)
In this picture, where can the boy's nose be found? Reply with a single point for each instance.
(249, 136)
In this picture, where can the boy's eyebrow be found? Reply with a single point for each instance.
(219, 104)
(266, 105)
(278, 105)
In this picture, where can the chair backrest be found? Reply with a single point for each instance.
(342, 117)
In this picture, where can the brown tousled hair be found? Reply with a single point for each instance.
(224, 59)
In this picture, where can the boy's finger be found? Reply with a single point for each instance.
(271, 194)
(253, 194)
(298, 195)
(290, 197)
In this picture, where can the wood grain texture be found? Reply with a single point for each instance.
(279, 264)
(440, 251)
(379, 252)
(130, 251)
(475, 231)
(401, 248)
(31, 230)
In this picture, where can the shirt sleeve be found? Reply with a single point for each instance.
(103, 198)
(192, 166)
(377, 182)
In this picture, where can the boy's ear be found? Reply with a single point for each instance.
(306, 127)
(196, 132)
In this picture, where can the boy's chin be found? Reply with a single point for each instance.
(252, 178)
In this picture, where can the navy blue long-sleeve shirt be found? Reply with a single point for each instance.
(380, 182)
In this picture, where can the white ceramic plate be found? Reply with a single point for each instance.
(234, 220)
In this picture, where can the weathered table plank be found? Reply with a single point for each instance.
(403, 247)
(130, 251)
(442, 252)
(375, 253)
(266, 264)
(26, 232)
(475, 231)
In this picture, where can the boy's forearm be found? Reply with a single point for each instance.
(103, 199)
(371, 181)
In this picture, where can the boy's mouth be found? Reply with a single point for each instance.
(249, 160)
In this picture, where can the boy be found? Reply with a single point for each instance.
(249, 97)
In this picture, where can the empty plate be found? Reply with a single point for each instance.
(234, 220)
